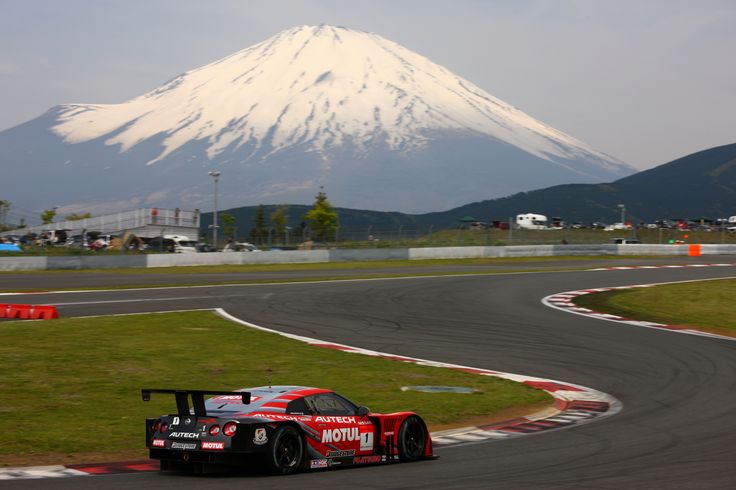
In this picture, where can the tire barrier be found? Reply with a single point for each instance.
(28, 312)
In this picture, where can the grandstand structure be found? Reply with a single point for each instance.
(143, 222)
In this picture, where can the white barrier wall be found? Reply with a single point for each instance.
(22, 263)
(342, 255)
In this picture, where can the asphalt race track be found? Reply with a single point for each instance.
(677, 429)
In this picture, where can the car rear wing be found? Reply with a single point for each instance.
(182, 398)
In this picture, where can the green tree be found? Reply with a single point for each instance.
(77, 216)
(259, 230)
(322, 218)
(279, 219)
(48, 216)
(228, 224)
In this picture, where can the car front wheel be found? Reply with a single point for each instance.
(412, 439)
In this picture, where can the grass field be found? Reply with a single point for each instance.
(71, 387)
(705, 305)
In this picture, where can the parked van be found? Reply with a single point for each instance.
(182, 243)
(530, 221)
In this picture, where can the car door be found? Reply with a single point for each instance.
(342, 430)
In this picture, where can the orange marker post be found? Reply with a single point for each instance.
(694, 251)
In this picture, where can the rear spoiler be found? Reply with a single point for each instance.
(182, 399)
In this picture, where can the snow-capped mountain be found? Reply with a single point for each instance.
(376, 124)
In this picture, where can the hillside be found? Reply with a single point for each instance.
(702, 184)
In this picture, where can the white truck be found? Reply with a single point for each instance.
(531, 221)
(182, 243)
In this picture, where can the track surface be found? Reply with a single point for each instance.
(677, 429)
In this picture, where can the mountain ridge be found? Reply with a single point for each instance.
(701, 184)
(311, 106)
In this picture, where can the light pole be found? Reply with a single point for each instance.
(623, 213)
(215, 175)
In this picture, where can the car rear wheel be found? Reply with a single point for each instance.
(285, 451)
(412, 439)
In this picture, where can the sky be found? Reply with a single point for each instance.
(644, 81)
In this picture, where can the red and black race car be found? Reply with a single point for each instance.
(288, 428)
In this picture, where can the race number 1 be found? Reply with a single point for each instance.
(366, 441)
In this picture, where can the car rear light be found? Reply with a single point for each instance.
(157, 426)
(230, 429)
(163, 427)
(214, 430)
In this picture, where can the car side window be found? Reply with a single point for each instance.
(299, 407)
(331, 404)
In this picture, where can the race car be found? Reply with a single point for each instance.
(287, 428)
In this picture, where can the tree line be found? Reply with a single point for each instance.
(319, 223)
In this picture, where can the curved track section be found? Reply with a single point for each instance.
(565, 301)
(677, 430)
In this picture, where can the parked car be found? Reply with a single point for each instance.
(240, 247)
(159, 244)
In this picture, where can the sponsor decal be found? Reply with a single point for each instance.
(318, 463)
(235, 399)
(187, 421)
(341, 454)
(184, 435)
(184, 445)
(158, 443)
(367, 459)
(366, 441)
(387, 434)
(333, 419)
(260, 438)
(217, 446)
(340, 435)
(276, 416)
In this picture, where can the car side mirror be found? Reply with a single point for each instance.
(363, 411)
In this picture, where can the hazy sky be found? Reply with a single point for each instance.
(646, 81)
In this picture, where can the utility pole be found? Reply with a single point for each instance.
(215, 175)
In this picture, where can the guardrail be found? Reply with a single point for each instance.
(347, 255)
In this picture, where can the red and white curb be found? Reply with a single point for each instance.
(60, 471)
(566, 302)
(574, 405)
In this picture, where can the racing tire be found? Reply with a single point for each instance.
(412, 439)
(285, 451)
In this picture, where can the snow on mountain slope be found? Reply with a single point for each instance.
(378, 126)
(320, 87)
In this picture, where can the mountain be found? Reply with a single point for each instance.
(702, 184)
(376, 124)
